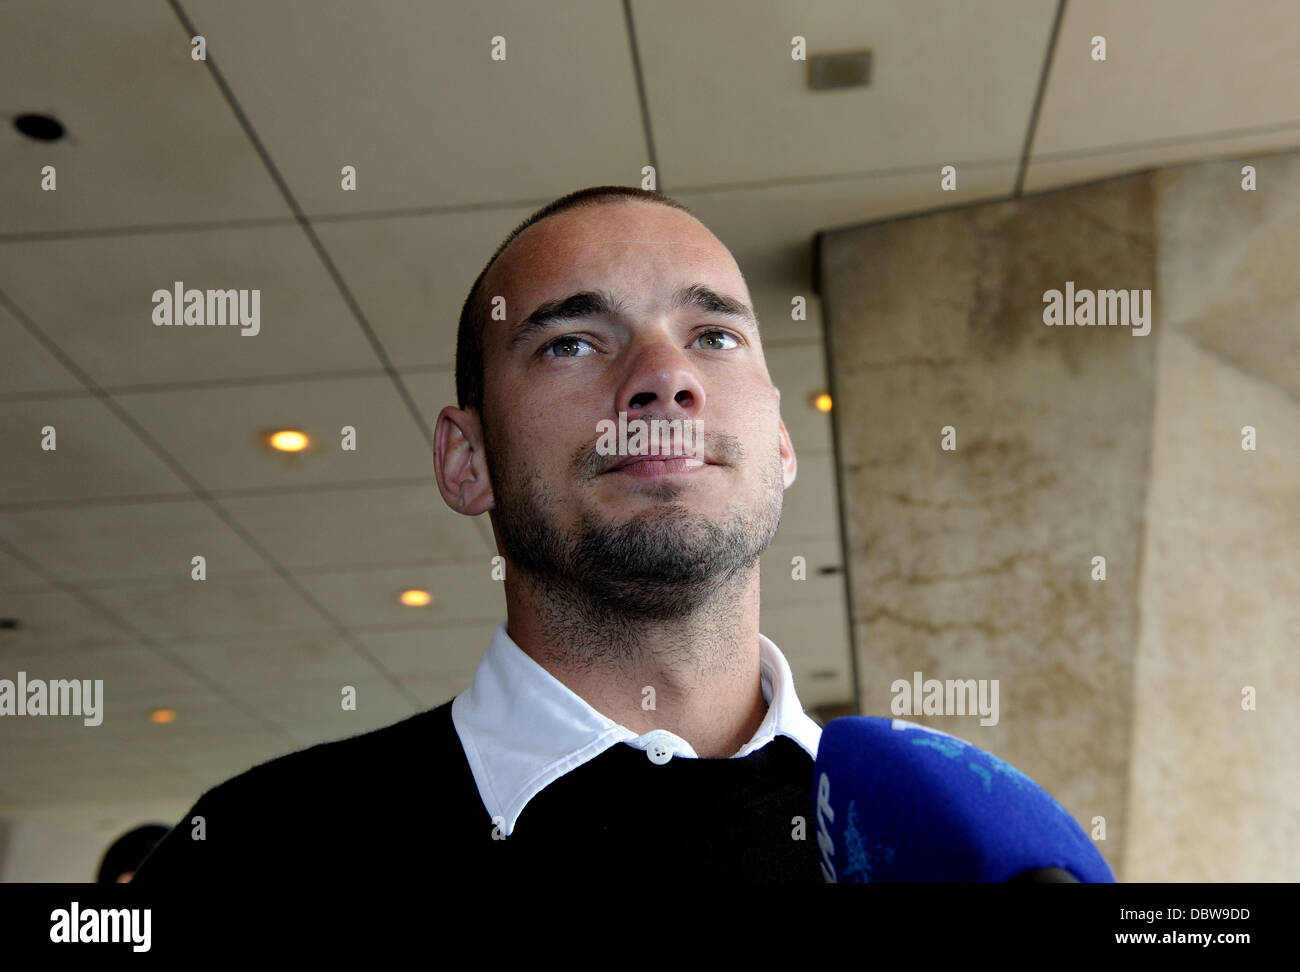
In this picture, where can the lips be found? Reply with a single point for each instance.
(661, 456)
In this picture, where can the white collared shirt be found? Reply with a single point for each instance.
(522, 728)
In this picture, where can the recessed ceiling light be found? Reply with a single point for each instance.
(415, 598)
(162, 716)
(288, 440)
(42, 128)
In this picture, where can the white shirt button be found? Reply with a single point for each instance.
(659, 753)
(661, 746)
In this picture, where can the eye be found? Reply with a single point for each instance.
(568, 339)
(725, 334)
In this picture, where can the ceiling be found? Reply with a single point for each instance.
(226, 174)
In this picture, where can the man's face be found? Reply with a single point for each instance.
(559, 509)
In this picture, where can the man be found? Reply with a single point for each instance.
(628, 721)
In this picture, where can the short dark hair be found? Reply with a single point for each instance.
(474, 313)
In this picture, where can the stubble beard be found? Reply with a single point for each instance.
(597, 586)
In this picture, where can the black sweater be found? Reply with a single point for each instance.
(400, 803)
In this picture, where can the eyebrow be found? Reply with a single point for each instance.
(596, 303)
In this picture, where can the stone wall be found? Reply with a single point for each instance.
(1121, 695)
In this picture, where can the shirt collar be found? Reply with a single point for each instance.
(516, 750)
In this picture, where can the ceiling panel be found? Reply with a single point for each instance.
(814, 641)
(461, 593)
(93, 772)
(435, 690)
(16, 729)
(780, 588)
(132, 674)
(122, 541)
(1172, 70)
(770, 229)
(259, 658)
(411, 274)
(360, 527)
(432, 390)
(16, 573)
(150, 139)
(318, 703)
(799, 372)
(198, 715)
(431, 653)
(127, 730)
(728, 104)
(122, 781)
(415, 101)
(94, 298)
(30, 368)
(240, 749)
(54, 621)
(1060, 171)
(216, 433)
(125, 814)
(97, 456)
(224, 605)
(26, 762)
(810, 510)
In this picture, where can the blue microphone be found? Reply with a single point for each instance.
(897, 801)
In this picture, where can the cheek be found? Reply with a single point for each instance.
(755, 425)
(556, 450)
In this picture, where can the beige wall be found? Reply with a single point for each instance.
(1121, 696)
(1214, 791)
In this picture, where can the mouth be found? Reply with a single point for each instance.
(660, 464)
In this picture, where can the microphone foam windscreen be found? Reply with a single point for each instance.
(896, 801)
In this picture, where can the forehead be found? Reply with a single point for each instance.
(634, 247)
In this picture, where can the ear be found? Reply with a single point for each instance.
(460, 463)
(789, 464)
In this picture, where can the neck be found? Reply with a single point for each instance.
(697, 664)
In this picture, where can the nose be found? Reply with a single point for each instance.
(661, 383)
